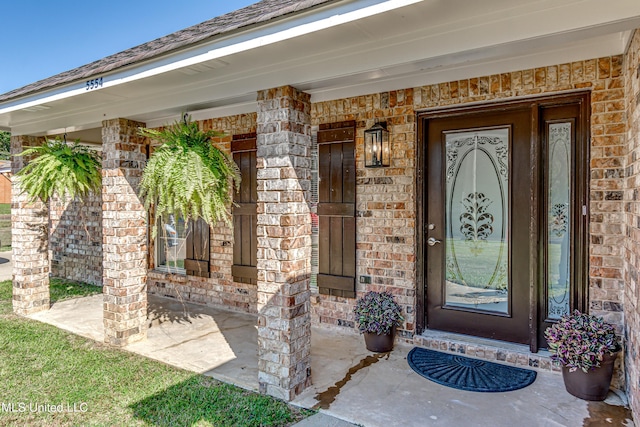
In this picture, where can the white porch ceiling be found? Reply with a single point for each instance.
(408, 45)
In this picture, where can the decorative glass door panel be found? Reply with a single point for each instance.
(558, 219)
(477, 220)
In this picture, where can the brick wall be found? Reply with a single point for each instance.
(632, 214)
(385, 205)
(75, 239)
(386, 197)
(220, 289)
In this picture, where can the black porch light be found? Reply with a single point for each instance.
(377, 149)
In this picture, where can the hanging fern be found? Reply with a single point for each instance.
(62, 169)
(187, 175)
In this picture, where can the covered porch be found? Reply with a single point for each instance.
(325, 77)
(348, 382)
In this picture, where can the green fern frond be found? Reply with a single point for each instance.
(188, 175)
(60, 169)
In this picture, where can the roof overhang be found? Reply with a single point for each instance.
(341, 49)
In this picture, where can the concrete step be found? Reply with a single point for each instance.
(487, 349)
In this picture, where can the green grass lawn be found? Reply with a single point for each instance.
(5, 228)
(477, 264)
(61, 289)
(42, 365)
(5, 236)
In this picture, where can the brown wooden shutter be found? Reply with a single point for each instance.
(198, 250)
(337, 209)
(245, 218)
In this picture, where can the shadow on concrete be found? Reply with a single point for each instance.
(219, 343)
(161, 310)
(3, 260)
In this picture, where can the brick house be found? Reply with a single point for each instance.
(510, 197)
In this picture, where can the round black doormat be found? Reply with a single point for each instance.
(464, 373)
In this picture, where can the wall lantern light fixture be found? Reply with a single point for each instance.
(377, 149)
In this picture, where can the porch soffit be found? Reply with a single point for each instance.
(334, 50)
(257, 13)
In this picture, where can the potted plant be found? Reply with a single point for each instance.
(586, 346)
(377, 315)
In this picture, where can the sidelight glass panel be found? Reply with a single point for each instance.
(559, 219)
(476, 220)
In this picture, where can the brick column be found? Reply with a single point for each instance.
(124, 233)
(29, 240)
(284, 241)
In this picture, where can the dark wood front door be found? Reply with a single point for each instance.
(501, 239)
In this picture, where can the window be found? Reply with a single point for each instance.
(171, 248)
(182, 247)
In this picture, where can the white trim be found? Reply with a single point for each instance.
(286, 30)
(170, 270)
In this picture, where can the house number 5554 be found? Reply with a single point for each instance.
(94, 83)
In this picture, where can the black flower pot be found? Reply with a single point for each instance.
(592, 385)
(380, 343)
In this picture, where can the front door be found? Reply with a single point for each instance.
(493, 266)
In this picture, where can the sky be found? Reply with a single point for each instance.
(41, 38)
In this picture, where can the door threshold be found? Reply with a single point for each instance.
(487, 349)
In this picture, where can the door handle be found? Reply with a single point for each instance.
(432, 241)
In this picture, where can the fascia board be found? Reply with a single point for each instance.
(308, 23)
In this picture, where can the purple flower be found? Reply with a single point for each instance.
(377, 312)
(580, 340)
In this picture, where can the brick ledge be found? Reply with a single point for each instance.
(487, 349)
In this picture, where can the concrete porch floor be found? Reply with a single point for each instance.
(349, 382)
